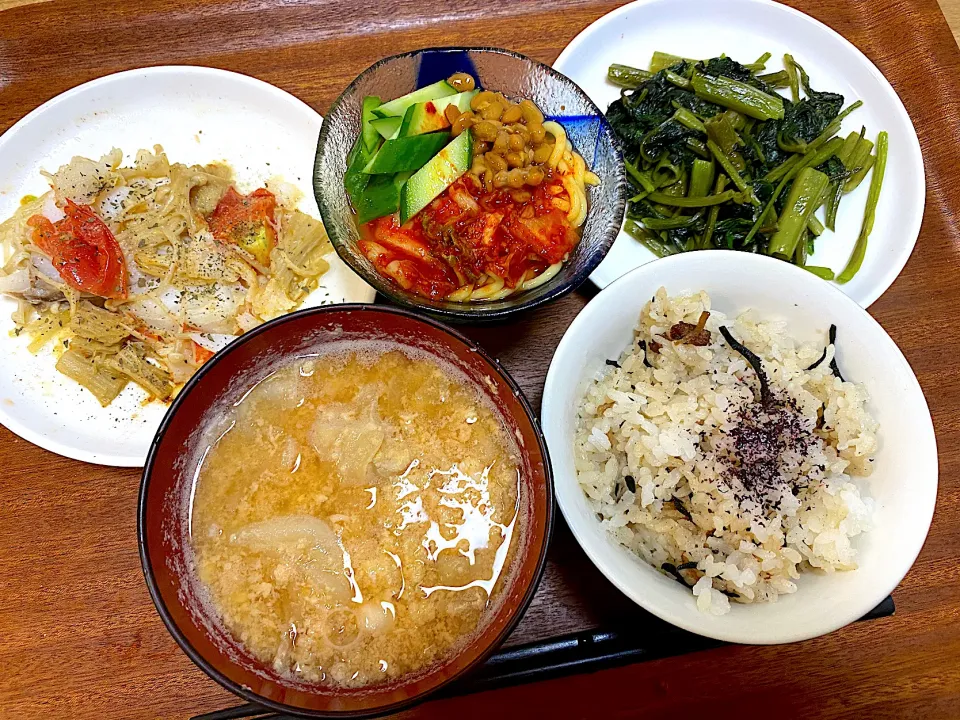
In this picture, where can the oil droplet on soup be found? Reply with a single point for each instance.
(356, 521)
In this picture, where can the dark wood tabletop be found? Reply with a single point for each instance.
(79, 637)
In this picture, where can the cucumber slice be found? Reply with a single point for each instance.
(371, 138)
(381, 196)
(355, 179)
(388, 127)
(410, 153)
(436, 176)
(399, 106)
(430, 116)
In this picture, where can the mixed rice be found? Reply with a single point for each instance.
(730, 480)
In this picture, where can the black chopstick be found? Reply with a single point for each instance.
(585, 651)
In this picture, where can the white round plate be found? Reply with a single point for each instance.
(198, 115)
(744, 30)
(903, 484)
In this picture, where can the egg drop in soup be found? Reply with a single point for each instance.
(355, 522)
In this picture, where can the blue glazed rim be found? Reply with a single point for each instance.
(475, 312)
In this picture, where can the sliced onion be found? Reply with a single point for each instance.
(153, 314)
(82, 179)
(247, 321)
(111, 205)
(378, 617)
(16, 282)
(282, 390)
(350, 436)
(44, 266)
(138, 282)
(50, 209)
(287, 194)
(180, 368)
(307, 543)
(170, 299)
(292, 533)
(213, 308)
(211, 341)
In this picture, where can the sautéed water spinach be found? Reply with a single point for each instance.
(719, 159)
(356, 518)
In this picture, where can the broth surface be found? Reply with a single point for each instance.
(353, 521)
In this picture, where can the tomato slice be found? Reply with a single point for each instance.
(83, 250)
(246, 221)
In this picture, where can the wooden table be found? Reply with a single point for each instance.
(79, 637)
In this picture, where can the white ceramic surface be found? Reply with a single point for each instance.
(903, 484)
(744, 30)
(198, 115)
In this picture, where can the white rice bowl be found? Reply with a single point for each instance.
(898, 496)
(652, 435)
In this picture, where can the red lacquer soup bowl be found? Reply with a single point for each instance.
(170, 476)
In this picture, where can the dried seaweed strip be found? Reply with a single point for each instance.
(833, 363)
(643, 348)
(765, 396)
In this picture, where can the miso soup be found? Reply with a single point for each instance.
(356, 520)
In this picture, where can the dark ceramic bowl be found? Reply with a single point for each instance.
(166, 489)
(514, 75)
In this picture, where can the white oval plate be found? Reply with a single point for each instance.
(903, 484)
(198, 115)
(744, 30)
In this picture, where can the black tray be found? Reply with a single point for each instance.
(586, 651)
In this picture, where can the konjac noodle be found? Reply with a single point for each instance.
(356, 520)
